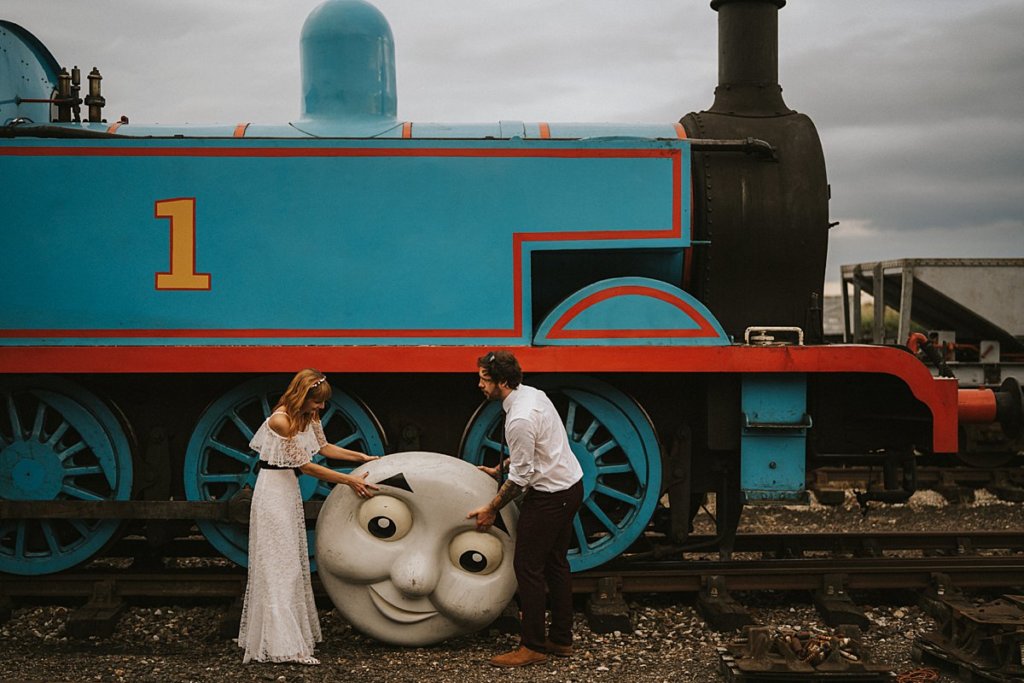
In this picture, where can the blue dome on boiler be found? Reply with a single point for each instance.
(348, 63)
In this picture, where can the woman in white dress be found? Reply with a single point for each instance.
(279, 619)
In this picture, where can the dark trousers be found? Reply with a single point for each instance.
(543, 535)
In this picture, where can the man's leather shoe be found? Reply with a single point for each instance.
(557, 650)
(522, 656)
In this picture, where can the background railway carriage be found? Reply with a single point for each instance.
(161, 283)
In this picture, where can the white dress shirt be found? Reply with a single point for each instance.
(539, 453)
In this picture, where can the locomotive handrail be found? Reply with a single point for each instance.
(765, 340)
(805, 423)
(28, 129)
(753, 146)
(42, 131)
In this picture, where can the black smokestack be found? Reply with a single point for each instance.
(748, 58)
(763, 223)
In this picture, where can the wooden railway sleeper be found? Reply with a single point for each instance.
(6, 608)
(98, 617)
(937, 599)
(1006, 488)
(718, 607)
(835, 605)
(231, 619)
(606, 608)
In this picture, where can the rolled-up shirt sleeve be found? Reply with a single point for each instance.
(521, 443)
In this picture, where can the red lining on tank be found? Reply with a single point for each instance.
(518, 239)
(940, 395)
(704, 329)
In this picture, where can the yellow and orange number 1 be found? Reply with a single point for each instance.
(183, 275)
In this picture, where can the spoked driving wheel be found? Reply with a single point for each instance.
(219, 462)
(58, 441)
(616, 446)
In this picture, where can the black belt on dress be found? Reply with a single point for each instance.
(263, 465)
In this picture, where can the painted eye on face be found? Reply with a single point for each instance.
(386, 518)
(475, 552)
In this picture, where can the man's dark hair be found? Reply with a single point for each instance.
(501, 366)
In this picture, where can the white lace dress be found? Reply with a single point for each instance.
(279, 619)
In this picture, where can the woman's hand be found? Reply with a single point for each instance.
(329, 450)
(359, 485)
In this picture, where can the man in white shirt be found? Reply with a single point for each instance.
(542, 464)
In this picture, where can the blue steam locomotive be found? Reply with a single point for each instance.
(662, 282)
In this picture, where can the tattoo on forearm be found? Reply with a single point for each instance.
(508, 491)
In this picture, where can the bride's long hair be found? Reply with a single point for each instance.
(307, 384)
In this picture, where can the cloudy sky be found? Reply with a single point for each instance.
(919, 103)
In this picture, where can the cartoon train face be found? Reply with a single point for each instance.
(406, 566)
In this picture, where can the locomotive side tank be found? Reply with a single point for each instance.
(140, 348)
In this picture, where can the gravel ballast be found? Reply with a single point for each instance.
(670, 642)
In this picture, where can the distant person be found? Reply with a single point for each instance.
(279, 619)
(542, 464)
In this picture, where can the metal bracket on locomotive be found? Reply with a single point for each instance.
(753, 146)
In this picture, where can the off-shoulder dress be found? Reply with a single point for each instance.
(279, 619)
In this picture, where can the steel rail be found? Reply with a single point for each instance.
(234, 510)
(781, 544)
(690, 576)
(237, 508)
(927, 476)
(809, 574)
(867, 543)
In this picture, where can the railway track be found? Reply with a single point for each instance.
(1005, 482)
(937, 570)
(749, 575)
(956, 483)
(868, 561)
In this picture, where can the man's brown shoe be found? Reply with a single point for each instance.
(557, 650)
(523, 656)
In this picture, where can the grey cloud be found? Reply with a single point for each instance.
(919, 103)
(919, 72)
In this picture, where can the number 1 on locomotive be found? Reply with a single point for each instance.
(183, 275)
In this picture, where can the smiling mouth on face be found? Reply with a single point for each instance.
(389, 602)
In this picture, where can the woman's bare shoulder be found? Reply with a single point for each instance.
(280, 423)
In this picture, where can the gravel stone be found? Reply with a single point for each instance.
(671, 642)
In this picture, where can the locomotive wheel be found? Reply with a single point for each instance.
(219, 462)
(987, 447)
(58, 441)
(985, 461)
(616, 445)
